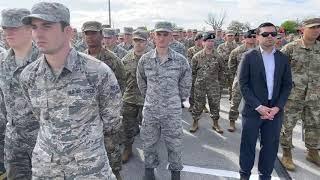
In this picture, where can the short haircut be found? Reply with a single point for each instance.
(266, 24)
(63, 25)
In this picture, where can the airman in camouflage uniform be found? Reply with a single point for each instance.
(219, 38)
(110, 42)
(22, 126)
(304, 100)
(132, 98)
(93, 36)
(207, 70)
(191, 52)
(224, 50)
(178, 47)
(81, 46)
(234, 61)
(164, 79)
(76, 98)
(127, 39)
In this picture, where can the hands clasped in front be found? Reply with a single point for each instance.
(268, 113)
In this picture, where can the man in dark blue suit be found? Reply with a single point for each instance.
(265, 83)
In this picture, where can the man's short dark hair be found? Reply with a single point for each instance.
(266, 24)
(63, 25)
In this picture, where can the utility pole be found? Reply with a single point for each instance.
(109, 12)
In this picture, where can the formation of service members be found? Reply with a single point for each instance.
(69, 100)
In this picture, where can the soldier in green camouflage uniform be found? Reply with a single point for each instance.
(191, 52)
(224, 50)
(164, 79)
(127, 39)
(93, 36)
(207, 70)
(110, 42)
(132, 98)
(22, 126)
(304, 101)
(75, 97)
(234, 61)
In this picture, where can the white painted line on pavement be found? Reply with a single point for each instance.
(185, 122)
(188, 133)
(218, 172)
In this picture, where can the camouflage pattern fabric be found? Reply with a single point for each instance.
(22, 126)
(304, 100)
(207, 70)
(76, 109)
(164, 85)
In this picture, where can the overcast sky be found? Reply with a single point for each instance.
(185, 13)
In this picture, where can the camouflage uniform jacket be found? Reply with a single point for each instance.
(305, 65)
(22, 125)
(125, 46)
(110, 59)
(178, 47)
(217, 42)
(225, 49)
(75, 107)
(132, 93)
(164, 84)
(192, 51)
(207, 68)
(81, 46)
(119, 51)
(234, 59)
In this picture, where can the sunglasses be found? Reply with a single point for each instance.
(266, 34)
(251, 36)
(315, 27)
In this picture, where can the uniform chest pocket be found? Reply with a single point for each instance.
(79, 98)
(150, 73)
(37, 100)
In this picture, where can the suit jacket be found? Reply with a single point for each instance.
(253, 83)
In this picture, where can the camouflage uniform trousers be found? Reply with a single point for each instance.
(309, 113)
(213, 94)
(18, 145)
(167, 122)
(113, 151)
(132, 117)
(81, 166)
(17, 158)
(235, 101)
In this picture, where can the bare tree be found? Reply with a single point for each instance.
(216, 21)
(237, 26)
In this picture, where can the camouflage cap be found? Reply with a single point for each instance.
(48, 11)
(127, 30)
(142, 28)
(108, 32)
(229, 32)
(208, 35)
(12, 17)
(311, 22)
(180, 29)
(140, 34)
(105, 26)
(198, 36)
(163, 26)
(117, 31)
(194, 30)
(91, 26)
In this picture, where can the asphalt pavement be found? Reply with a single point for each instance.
(208, 155)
